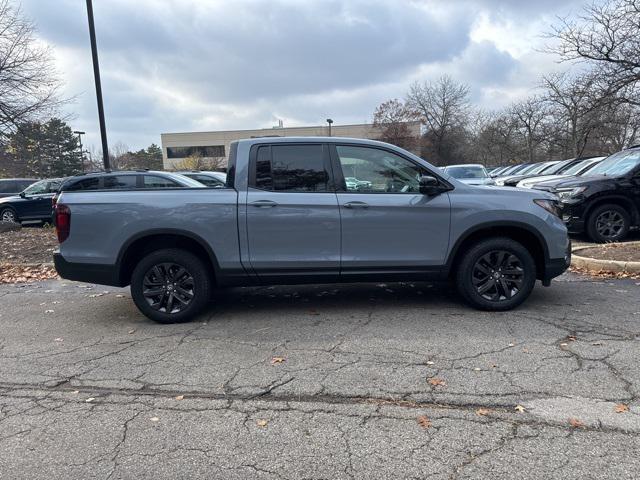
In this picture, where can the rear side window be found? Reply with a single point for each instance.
(86, 184)
(14, 186)
(154, 181)
(291, 168)
(120, 182)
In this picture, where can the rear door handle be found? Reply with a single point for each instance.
(356, 205)
(263, 204)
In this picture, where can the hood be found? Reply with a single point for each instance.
(543, 178)
(584, 181)
(12, 198)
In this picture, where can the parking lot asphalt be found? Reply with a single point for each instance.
(349, 381)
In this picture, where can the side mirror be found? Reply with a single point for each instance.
(429, 185)
(23, 195)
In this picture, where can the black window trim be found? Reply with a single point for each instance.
(326, 157)
(341, 185)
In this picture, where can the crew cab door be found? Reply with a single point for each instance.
(387, 224)
(293, 221)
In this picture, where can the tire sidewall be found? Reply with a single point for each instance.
(591, 225)
(197, 269)
(464, 275)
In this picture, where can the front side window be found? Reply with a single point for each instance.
(38, 188)
(120, 182)
(291, 168)
(371, 170)
(154, 181)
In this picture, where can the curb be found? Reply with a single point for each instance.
(598, 265)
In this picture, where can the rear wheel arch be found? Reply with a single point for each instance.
(137, 247)
(524, 234)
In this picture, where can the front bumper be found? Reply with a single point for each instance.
(554, 267)
(573, 217)
(87, 272)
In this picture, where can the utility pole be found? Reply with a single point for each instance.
(329, 121)
(96, 74)
(79, 133)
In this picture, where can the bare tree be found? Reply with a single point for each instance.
(391, 118)
(605, 36)
(577, 109)
(28, 83)
(529, 116)
(442, 106)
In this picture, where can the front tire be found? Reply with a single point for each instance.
(171, 286)
(496, 274)
(8, 214)
(608, 223)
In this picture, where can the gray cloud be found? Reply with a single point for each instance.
(182, 65)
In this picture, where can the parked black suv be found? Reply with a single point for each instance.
(605, 202)
(31, 204)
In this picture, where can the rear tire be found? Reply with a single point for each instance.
(171, 286)
(8, 214)
(608, 223)
(496, 274)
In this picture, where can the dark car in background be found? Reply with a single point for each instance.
(128, 180)
(605, 201)
(31, 204)
(12, 186)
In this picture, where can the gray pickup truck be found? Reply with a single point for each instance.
(288, 216)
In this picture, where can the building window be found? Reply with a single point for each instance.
(211, 151)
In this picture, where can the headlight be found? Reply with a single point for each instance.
(568, 193)
(549, 205)
(500, 182)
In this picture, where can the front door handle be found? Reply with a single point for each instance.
(263, 204)
(356, 205)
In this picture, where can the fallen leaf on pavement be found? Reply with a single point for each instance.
(621, 408)
(180, 397)
(564, 344)
(48, 311)
(90, 399)
(483, 412)
(424, 421)
(572, 338)
(154, 419)
(276, 360)
(59, 339)
(75, 392)
(435, 381)
(430, 363)
(262, 423)
(520, 408)
(132, 331)
(574, 422)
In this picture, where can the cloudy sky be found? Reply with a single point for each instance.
(195, 65)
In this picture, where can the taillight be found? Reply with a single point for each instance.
(63, 222)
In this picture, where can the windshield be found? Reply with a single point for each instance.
(540, 168)
(579, 167)
(558, 167)
(617, 164)
(467, 172)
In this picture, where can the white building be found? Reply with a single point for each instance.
(215, 145)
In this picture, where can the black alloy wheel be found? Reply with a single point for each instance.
(168, 287)
(498, 275)
(608, 223)
(171, 285)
